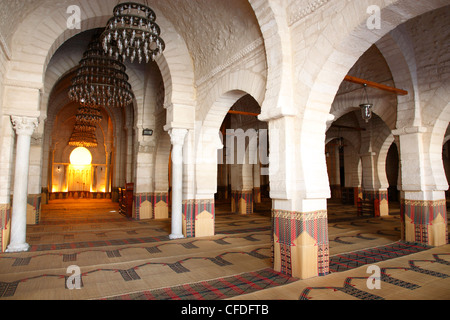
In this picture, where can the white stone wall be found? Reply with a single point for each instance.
(290, 56)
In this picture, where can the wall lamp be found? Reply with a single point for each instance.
(147, 132)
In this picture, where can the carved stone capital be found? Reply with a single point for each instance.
(24, 125)
(177, 136)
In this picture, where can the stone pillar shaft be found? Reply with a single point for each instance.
(24, 128)
(423, 203)
(177, 138)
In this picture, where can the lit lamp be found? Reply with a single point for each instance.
(366, 108)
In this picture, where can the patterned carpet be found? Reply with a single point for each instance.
(121, 259)
(218, 289)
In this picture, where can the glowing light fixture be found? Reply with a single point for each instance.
(366, 108)
(81, 157)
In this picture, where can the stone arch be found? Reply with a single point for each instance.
(381, 163)
(208, 141)
(45, 33)
(341, 50)
(272, 19)
(230, 87)
(436, 141)
(233, 86)
(398, 54)
(373, 66)
(326, 61)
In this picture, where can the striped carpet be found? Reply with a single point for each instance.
(247, 283)
(218, 289)
(121, 259)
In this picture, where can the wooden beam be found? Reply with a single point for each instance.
(347, 127)
(349, 79)
(243, 113)
(376, 85)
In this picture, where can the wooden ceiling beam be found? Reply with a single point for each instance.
(376, 85)
(348, 79)
(243, 113)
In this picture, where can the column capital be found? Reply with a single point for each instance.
(24, 125)
(177, 136)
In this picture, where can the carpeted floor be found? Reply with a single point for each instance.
(121, 259)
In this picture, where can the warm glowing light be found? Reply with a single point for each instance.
(81, 157)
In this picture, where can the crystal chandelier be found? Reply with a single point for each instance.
(88, 115)
(100, 80)
(83, 134)
(83, 139)
(133, 33)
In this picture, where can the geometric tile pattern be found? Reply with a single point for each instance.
(217, 289)
(344, 262)
(9, 289)
(351, 290)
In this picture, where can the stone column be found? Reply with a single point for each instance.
(299, 189)
(423, 204)
(24, 128)
(177, 138)
(374, 191)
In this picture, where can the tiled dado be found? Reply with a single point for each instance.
(380, 201)
(151, 206)
(257, 195)
(242, 201)
(198, 218)
(5, 226)
(34, 209)
(301, 246)
(424, 221)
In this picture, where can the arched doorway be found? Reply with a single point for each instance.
(75, 172)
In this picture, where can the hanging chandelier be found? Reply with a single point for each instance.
(133, 33)
(101, 80)
(84, 135)
(85, 127)
(88, 115)
(87, 139)
(366, 108)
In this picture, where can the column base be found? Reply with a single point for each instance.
(160, 203)
(24, 247)
(34, 209)
(380, 201)
(143, 208)
(424, 221)
(301, 246)
(199, 218)
(5, 226)
(151, 205)
(176, 236)
(242, 202)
